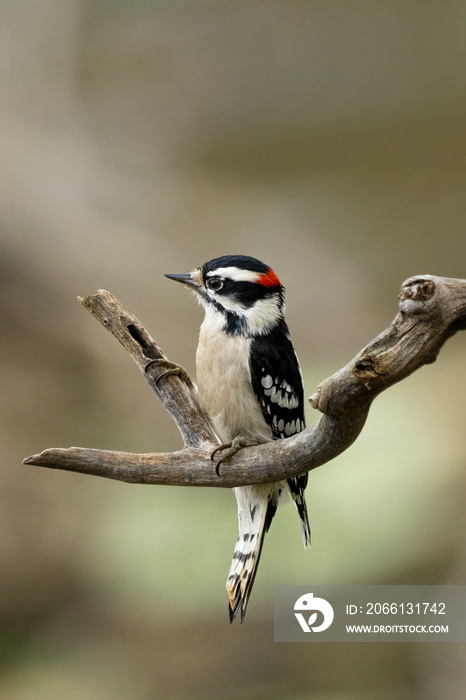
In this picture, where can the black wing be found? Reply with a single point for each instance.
(277, 382)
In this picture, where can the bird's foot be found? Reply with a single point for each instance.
(171, 369)
(231, 448)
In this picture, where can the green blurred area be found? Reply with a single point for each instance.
(327, 139)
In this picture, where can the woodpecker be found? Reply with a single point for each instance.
(250, 386)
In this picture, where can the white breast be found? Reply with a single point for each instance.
(224, 383)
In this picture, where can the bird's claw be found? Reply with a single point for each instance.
(171, 369)
(231, 448)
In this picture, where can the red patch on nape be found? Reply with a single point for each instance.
(269, 279)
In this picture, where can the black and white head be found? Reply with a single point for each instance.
(241, 294)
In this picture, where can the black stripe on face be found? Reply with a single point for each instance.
(247, 293)
(235, 324)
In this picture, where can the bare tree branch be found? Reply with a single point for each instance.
(431, 310)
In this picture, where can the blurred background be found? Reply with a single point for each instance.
(144, 137)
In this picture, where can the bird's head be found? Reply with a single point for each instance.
(242, 294)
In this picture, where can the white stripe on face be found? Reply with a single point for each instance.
(235, 274)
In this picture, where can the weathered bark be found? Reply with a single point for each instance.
(431, 310)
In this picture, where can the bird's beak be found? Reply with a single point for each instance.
(186, 278)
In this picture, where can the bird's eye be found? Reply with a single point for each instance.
(214, 283)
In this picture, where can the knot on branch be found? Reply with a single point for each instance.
(417, 289)
(366, 369)
(418, 297)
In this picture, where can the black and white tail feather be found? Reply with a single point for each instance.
(250, 385)
(257, 506)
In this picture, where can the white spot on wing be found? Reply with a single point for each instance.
(267, 381)
(284, 399)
